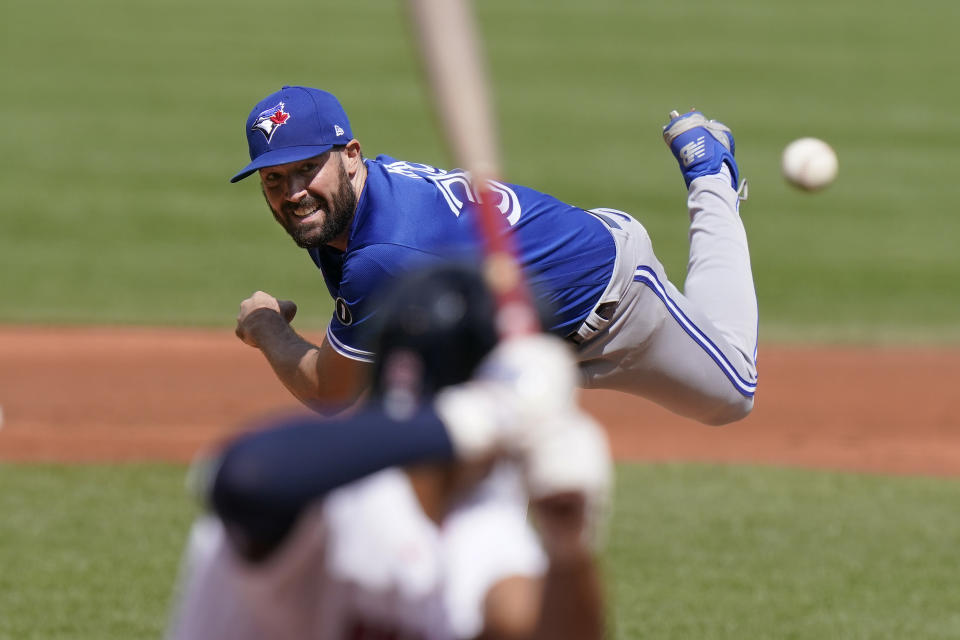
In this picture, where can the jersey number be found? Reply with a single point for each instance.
(457, 190)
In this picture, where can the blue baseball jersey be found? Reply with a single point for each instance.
(409, 215)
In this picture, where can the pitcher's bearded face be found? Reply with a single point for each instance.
(312, 199)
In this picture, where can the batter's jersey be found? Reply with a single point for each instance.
(366, 563)
(409, 215)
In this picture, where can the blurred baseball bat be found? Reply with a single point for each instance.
(450, 52)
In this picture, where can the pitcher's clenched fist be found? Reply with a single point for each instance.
(259, 312)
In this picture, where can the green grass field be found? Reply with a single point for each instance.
(694, 552)
(122, 121)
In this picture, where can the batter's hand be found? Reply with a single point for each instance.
(522, 382)
(570, 457)
(254, 312)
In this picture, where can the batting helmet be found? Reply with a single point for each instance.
(436, 325)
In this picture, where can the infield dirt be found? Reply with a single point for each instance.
(123, 394)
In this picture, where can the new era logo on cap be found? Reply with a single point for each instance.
(270, 120)
(293, 124)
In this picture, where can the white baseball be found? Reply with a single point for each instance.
(809, 163)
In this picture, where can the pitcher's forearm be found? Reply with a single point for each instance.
(308, 371)
(293, 359)
(295, 365)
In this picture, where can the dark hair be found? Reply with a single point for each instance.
(341, 147)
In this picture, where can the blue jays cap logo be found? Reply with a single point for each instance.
(270, 120)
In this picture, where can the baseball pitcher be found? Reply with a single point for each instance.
(365, 221)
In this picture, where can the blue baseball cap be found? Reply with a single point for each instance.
(293, 124)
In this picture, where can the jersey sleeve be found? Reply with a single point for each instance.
(351, 328)
(366, 276)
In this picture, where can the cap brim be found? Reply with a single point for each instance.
(281, 156)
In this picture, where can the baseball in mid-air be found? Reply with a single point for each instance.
(809, 163)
